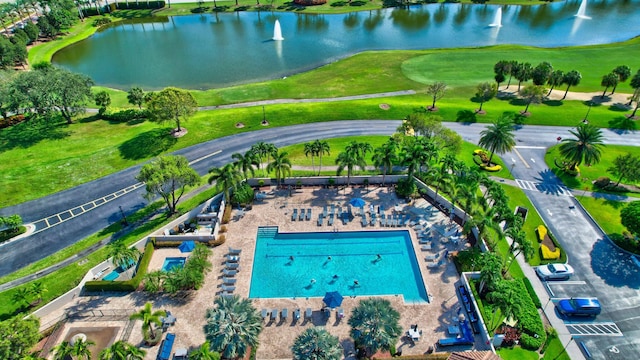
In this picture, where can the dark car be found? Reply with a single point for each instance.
(579, 307)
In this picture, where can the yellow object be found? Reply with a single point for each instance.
(542, 232)
(493, 168)
(548, 254)
(478, 151)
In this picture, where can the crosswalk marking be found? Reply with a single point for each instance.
(553, 189)
(593, 329)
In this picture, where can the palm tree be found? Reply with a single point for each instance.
(227, 177)
(233, 326)
(360, 149)
(498, 137)
(438, 177)
(123, 256)
(310, 149)
(635, 84)
(80, 349)
(349, 160)
(572, 78)
(122, 350)
(585, 148)
(37, 289)
(149, 318)
(483, 218)
(490, 271)
(622, 72)
(374, 325)
(385, 156)
(260, 150)
(316, 343)
(608, 80)
(556, 79)
(62, 351)
(21, 295)
(519, 245)
(322, 147)
(281, 165)
(502, 298)
(523, 73)
(154, 280)
(204, 352)
(245, 163)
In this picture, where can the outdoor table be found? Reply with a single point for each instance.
(414, 334)
(454, 330)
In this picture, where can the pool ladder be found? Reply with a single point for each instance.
(267, 231)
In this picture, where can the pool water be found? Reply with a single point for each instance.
(173, 262)
(290, 265)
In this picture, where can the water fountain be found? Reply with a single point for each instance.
(582, 10)
(497, 19)
(277, 32)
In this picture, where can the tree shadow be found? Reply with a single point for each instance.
(476, 99)
(291, 6)
(358, 3)
(466, 116)
(242, 8)
(200, 10)
(339, 4)
(220, 8)
(622, 125)
(553, 102)
(31, 132)
(147, 144)
(132, 13)
(619, 107)
(518, 101)
(614, 266)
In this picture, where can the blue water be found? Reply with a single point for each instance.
(353, 256)
(173, 262)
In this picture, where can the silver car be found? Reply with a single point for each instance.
(554, 271)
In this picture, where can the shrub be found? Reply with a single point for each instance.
(243, 194)
(530, 342)
(626, 242)
(406, 187)
(101, 21)
(602, 182)
(124, 115)
(221, 239)
(542, 232)
(223, 229)
(11, 120)
(493, 168)
(532, 293)
(547, 254)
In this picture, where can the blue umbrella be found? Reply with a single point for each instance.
(357, 202)
(332, 299)
(187, 246)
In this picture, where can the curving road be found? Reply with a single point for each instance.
(602, 270)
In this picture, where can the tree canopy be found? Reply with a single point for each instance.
(172, 104)
(17, 337)
(630, 217)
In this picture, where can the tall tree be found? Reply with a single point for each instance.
(349, 160)
(533, 95)
(584, 148)
(513, 69)
(227, 178)
(626, 166)
(323, 148)
(261, 150)
(168, 176)
(635, 84)
(523, 73)
(18, 336)
(490, 274)
(608, 80)
(233, 326)
(498, 137)
(541, 73)
(149, 318)
(122, 350)
(281, 166)
(37, 289)
(385, 156)
(245, 163)
(436, 91)
(135, 96)
(630, 217)
(310, 149)
(316, 343)
(572, 78)
(172, 104)
(555, 79)
(485, 92)
(499, 78)
(374, 325)
(623, 72)
(501, 69)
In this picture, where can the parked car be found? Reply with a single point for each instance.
(579, 307)
(554, 271)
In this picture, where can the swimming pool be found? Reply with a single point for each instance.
(290, 265)
(173, 262)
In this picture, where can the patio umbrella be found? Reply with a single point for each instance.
(357, 202)
(332, 299)
(187, 246)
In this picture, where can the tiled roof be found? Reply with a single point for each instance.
(474, 355)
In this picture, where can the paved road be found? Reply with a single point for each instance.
(603, 271)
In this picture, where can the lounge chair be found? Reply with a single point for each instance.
(264, 313)
(233, 251)
(364, 221)
(294, 215)
(432, 257)
(424, 241)
(320, 220)
(350, 211)
(232, 266)
(274, 314)
(233, 258)
(227, 272)
(226, 294)
(340, 313)
(331, 219)
(434, 264)
(333, 208)
(345, 218)
(228, 281)
(383, 220)
(284, 314)
(426, 247)
(308, 314)
(308, 214)
(324, 211)
(227, 288)
(302, 214)
(296, 315)
(362, 212)
(165, 348)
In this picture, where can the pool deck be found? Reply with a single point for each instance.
(277, 337)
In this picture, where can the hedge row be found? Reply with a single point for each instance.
(141, 4)
(532, 293)
(127, 285)
(529, 320)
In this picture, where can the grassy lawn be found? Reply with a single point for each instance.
(591, 173)
(605, 212)
(337, 145)
(517, 353)
(555, 351)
